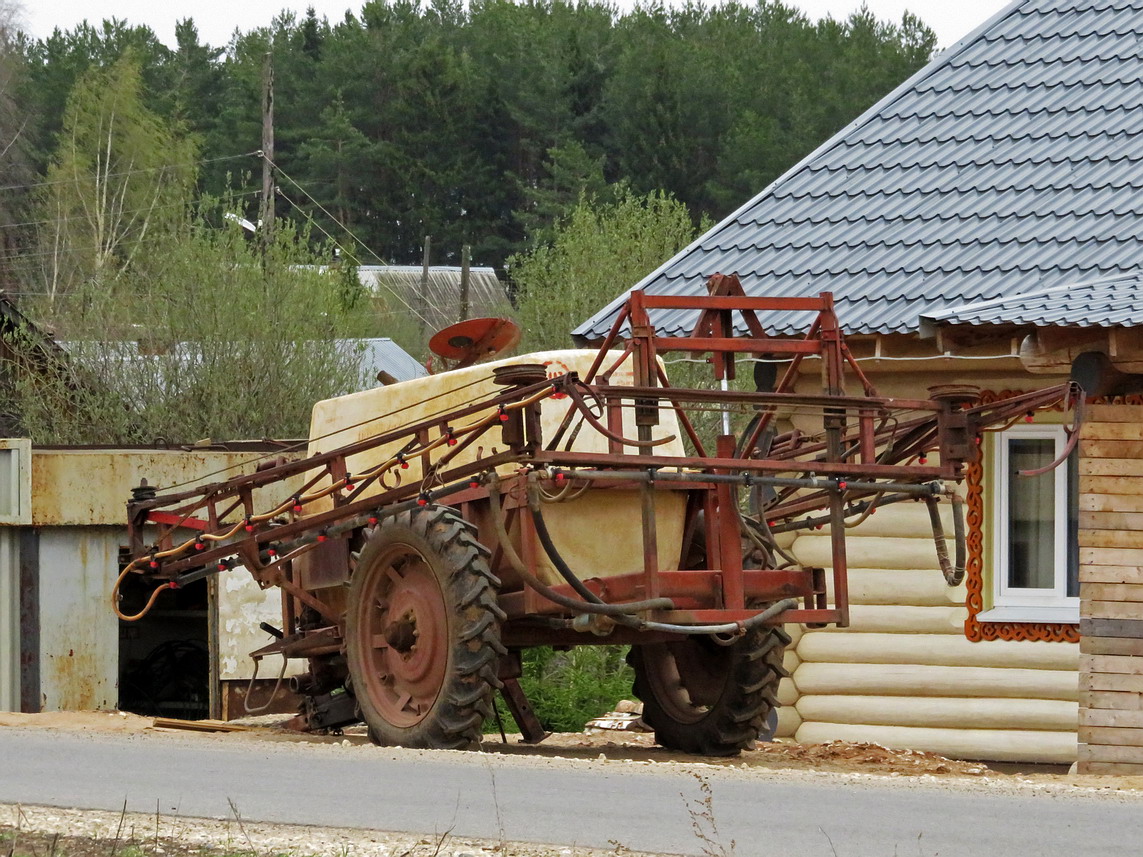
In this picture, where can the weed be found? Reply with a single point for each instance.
(704, 826)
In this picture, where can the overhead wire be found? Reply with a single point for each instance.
(122, 173)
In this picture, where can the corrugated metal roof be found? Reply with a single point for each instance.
(440, 306)
(383, 354)
(1011, 162)
(1110, 302)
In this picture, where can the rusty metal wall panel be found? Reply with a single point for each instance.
(242, 605)
(90, 487)
(9, 622)
(79, 635)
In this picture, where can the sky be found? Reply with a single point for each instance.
(217, 19)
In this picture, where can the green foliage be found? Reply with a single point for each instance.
(566, 689)
(597, 252)
(204, 337)
(481, 123)
(120, 178)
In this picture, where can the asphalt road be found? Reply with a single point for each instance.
(584, 804)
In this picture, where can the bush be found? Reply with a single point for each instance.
(568, 688)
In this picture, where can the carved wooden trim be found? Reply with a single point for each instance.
(1053, 632)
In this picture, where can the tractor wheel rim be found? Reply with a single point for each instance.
(404, 636)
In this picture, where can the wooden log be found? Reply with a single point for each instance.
(920, 680)
(892, 553)
(1001, 745)
(941, 712)
(923, 587)
(1122, 664)
(1111, 574)
(1109, 717)
(1111, 520)
(788, 722)
(1111, 700)
(1111, 735)
(1111, 609)
(1112, 592)
(1125, 628)
(1111, 681)
(875, 618)
(936, 650)
(1111, 501)
(1111, 645)
(787, 692)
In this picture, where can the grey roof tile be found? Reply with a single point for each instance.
(1111, 302)
(1013, 162)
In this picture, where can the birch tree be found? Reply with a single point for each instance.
(121, 178)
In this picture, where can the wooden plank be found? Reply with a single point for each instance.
(1112, 592)
(1117, 768)
(1111, 467)
(1107, 717)
(1111, 700)
(1111, 681)
(1125, 664)
(1110, 753)
(1111, 574)
(1113, 768)
(1110, 501)
(1111, 735)
(1108, 520)
(1111, 539)
(1111, 556)
(1128, 485)
(1124, 430)
(1111, 646)
(1111, 448)
(1113, 414)
(1122, 628)
(1111, 609)
(196, 725)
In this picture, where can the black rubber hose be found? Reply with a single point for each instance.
(953, 574)
(630, 621)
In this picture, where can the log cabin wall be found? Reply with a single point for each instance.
(1111, 591)
(904, 674)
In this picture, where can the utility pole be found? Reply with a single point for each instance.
(465, 253)
(267, 213)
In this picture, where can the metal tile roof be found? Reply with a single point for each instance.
(440, 305)
(1012, 162)
(1110, 302)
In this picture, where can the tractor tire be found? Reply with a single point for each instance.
(707, 699)
(422, 632)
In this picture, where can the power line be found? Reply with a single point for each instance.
(130, 172)
(240, 193)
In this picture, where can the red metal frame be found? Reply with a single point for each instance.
(869, 449)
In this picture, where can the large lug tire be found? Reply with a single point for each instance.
(704, 698)
(423, 632)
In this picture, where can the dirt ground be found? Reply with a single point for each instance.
(34, 831)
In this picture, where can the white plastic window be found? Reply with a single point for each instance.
(1035, 557)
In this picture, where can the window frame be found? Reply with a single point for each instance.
(1024, 604)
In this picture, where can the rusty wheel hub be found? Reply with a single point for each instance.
(405, 636)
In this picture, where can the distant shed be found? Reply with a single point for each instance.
(440, 304)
